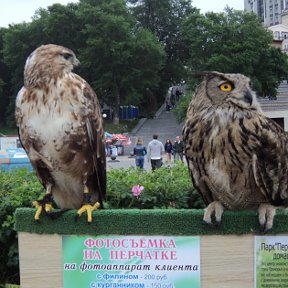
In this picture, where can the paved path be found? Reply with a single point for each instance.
(164, 124)
(122, 162)
(126, 162)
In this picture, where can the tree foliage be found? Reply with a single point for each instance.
(4, 80)
(132, 51)
(235, 42)
(122, 60)
(119, 60)
(164, 19)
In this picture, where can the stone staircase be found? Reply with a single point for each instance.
(283, 88)
(164, 124)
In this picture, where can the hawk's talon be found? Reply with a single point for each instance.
(45, 203)
(37, 205)
(89, 209)
(48, 207)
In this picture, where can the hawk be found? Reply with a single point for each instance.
(237, 157)
(60, 127)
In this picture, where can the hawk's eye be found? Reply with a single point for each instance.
(67, 56)
(226, 87)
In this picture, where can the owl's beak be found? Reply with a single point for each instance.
(248, 98)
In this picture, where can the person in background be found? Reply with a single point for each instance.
(155, 152)
(139, 151)
(178, 148)
(108, 149)
(114, 152)
(168, 150)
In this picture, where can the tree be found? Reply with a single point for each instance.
(19, 40)
(4, 79)
(235, 42)
(60, 25)
(164, 19)
(17, 45)
(120, 60)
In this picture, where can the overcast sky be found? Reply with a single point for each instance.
(17, 11)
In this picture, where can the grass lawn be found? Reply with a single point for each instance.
(8, 131)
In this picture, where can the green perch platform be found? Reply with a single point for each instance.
(147, 222)
(226, 251)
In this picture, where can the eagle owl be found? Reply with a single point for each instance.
(237, 157)
(60, 127)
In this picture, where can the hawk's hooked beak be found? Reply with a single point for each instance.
(76, 62)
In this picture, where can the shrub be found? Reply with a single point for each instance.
(17, 189)
(182, 106)
(163, 188)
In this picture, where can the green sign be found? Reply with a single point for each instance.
(131, 261)
(271, 261)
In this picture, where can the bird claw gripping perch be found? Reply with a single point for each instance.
(86, 206)
(44, 204)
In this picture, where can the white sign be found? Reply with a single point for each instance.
(131, 261)
(9, 142)
(271, 261)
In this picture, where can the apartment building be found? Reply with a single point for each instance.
(270, 11)
(274, 15)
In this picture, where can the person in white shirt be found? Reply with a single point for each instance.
(155, 152)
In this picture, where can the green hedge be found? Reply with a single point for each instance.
(17, 189)
(164, 188)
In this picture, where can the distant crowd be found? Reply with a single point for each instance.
(156, 151)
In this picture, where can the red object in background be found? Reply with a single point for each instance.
(119, 137)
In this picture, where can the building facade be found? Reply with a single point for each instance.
(274, 15)
(270, 11)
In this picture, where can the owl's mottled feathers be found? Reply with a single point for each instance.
(237, 156)
(60, 127)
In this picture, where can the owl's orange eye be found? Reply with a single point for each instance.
(226, 87)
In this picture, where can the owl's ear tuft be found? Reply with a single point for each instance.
(206, 74)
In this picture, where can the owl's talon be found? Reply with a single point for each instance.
(218, 223)
(207, 219)
(266, 231)
(89, 209)
(216, 208)
(266, 217)
(213, 224)
(208, 222)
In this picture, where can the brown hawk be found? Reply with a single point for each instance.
(237, 156)
(60, 127)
